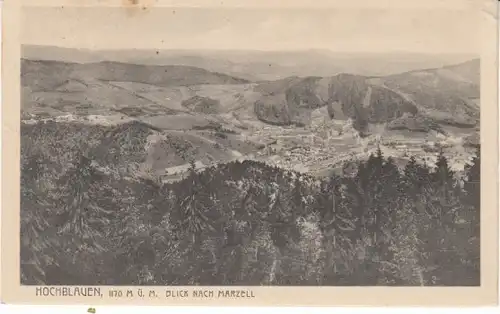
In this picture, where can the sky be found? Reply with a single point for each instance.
(335, 29)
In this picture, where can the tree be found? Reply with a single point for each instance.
(406, 265)
(473, 198)
(443, 175)
(84, 222)
(297, 198)
(416, 176)
(84, 217)
(281, 222)
(192, 166)
(473, 181)
(373, 194)
(390, 171)
(410, 171)
(38, 250)
(193, 204)
(337, 225)
(390, 180)
(374, 167)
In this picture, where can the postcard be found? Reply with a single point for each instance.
(250, 153)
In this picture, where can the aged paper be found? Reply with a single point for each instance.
(250, 153)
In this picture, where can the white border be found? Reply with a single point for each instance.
(8, 309)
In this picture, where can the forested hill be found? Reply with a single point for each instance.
(246, 223)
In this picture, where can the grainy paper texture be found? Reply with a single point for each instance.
(250, 152)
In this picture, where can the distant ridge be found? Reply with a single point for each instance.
(42, 75)
(256, 65)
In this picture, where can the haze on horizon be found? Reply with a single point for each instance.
(437, 31)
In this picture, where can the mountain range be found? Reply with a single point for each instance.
(257, 65)
(223, 115)
(446, 94)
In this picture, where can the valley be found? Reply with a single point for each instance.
(177, 174)
(307, 124)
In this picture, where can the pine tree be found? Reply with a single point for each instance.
(85, 223)
(406, 265)
(473, 182)
(416, 176)
(362, 174)
(337, 225)
(373, 192)
(38, 250)
(390, 171)
(410, 171)
(384, 205)
(443, 175)
(391, 183)
(379, 154)
(85, 219)
(193, 204)
(376, 161)
(297, 198)
(374, 167)
(281, 222)
(473, 198)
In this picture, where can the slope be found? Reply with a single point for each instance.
(443, 95)
(49, 75)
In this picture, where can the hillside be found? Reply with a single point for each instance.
(314, 122)
(56, 88)
(446, 95)
(134, 145)
(371, 100)
(469, 71)
(50, 75)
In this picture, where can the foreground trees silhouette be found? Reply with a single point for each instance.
(247, 223)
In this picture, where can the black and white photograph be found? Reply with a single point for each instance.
(216, 146)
